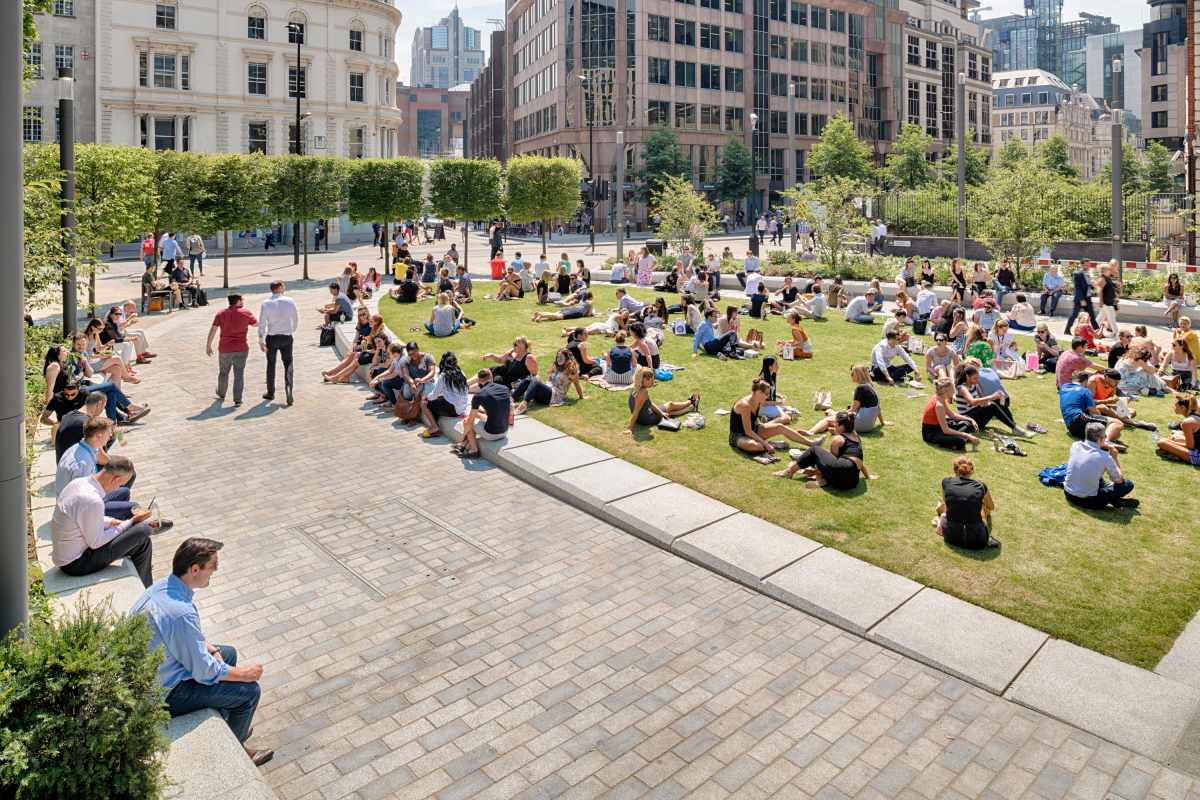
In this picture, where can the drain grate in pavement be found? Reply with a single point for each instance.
(394, 547)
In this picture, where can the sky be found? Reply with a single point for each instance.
(1129, 15)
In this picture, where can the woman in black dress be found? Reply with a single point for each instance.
(966, 509)
(839, 466)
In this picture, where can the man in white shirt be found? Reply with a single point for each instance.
(1086, 466)
(753, 279)
(277, 322)
(627, 303)
(882, 368)
(859, 309)
(750, 266)
(84, 540)
(926, 300)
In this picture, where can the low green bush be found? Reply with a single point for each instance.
(81, 709)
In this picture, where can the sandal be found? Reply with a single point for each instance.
(695, 400)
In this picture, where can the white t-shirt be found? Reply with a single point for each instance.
(753, 279)
(1022, 314)
(456, 398)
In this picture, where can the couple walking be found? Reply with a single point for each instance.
(277, 322)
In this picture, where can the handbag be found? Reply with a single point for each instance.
(822, 400)
(787, 351)
(201, 297)
(407, 410)
(326, 336)
(668, 424)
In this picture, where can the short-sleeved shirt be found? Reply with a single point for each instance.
(495, 400)
(408, 291)
(1068, 364)
(1074, 400)
(420, 369)
(61, 406)
(70, 432)
(866, 396)
(621, 359)
(964, 500)
(233, 323)
(344, 305)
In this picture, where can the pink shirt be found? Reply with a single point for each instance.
(1068, 364)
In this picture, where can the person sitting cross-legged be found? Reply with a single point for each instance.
(837, 467)
(1086, 466)
(882, 368)
(746, 433)
(1184, 444)
(85, 540)
(1078, 407)
(859, 309)
(491, 415)
(194, 673)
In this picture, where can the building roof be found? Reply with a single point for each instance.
(1016, 78)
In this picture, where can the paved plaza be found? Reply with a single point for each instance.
(437, 628)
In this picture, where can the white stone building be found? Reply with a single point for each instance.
(221, 75)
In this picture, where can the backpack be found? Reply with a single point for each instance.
(1053, 476)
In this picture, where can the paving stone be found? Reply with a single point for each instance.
(844, 590)
(963, 639)
(526, 431)
(1179, 664)
(205, 760)
(666, 512)
(536, 463)
(594, 485)
(1132, 707)
(744, 547)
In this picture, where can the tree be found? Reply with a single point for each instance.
(465, 189)
(540, 189)
(1012, 152)
(977, 164)
(1133, 171)
(735, 174)
(830, 206)
(1056, 156)
(907, 166)
(1158, 173)
(45, 256)
(1020, 211)
(29, 23)
(384, 190)
(840, 154)
(182, 194)
(661, 158)
(236, 197)
(306, 188)
(116, 201)
(685, 216)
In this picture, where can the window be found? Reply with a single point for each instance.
(1010, 100)
(817, 17)
(715, 5)
(914, 103)
(776, 164)
(778, 122)
(293, 143)
(164, 72)
(685, 32)
(799, 51)
(931, 53)
(1043, 98)
(800, 124)
(799, 166)
(800, 13)
(778, 47)
(818, 90)
(658, 112)
(1159, 119)
(185, 79)
(256, 28)
(31, 123)
(735, 120)
(256, 137)
(164, 133)
(735, 80)
(801, 84)
(356, 40)
(985, 69)
(734, 6)
(914, 51)
(64, 57)
(710, 76)
(687, 2)
(710, 118)
(837, 91)
(973, 66)
(1158, 94)
(1018, 81)
(685, 115)
(297, 82)
(817, 53)
(779, 84)
(931, 109)
(685, 75)
(33, 59)
(358, 142)
(185, 124)
(1026, 98)
(837, 55)
(143, 68)
(295, 33)
(837, 21)
(164, 20)
(818, 124)
(356, 87)
(658, 28)
(777, 10)
(1158, 54)
(710, 36)
(256, 78)
(660, 71)
(735, 40)
(64, 8)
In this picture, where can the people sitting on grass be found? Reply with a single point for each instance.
(723, 346)
(785, 297)
(876, 292)
(1181, 363)
(978, 347)
(882, 368)
(658, 315)
(972, 401)
(512, 366)
(618, 363)
(864, 404)
(645, 412)
(1084, 330)
(490, 418)
(941, 360)
(1103, 386)
(444, 318)
(84, 540)
(799, 344)
(670, 283)
(511, 288)
(964, 514)
(577, 340)
(1078, 407)
(838, 467)
(578, 311)
(1001, 340)
(409, 291)
(627, 302)
(837, 293)
(447, 399)
(813, 303)
(859, 309)
(429, 270)
(1139, 377)
(942, 425)
(1021, 316)
(644, 345)
(1090, 460)
(563, 375)
(906, 304)
(619, 272)
(747, 433)
(1048, 350)
(1184, 444)
(895, 324)
(1072, 361)
(463, 288)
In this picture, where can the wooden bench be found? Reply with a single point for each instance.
(160, 294)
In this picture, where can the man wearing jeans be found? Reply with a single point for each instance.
(277, 322)
(1086, 466)
(232, 349)
(197, 674)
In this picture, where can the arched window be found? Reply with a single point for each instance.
(256, 23)
(297, 24)
(357, 36)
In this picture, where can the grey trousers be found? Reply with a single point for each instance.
(236, 361)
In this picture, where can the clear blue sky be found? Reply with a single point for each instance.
(1129, 14)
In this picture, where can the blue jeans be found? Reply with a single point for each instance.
(863, 319)
(235, 701)
(118, 505)
(391, 387)
(193, 260)
(1001, 290)
(429, 329)
(115, 399)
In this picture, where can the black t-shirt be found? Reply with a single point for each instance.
(111, 332)
(1115, 354)
(70, 432)
(756, 303)
(1108, 294)
(61, 406)
(495, 400)
(790, 293)
(964, 500)
(1005, 276)
(408, 291)
(866, 396)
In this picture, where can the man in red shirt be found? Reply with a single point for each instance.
(232, 349)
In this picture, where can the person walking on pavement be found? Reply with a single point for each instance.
(231, 349)
(1083, 298)
(171, 252)
(196, 253)
(277, 322)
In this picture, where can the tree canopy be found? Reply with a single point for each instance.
(466, 189)
(685, 217)
(661, 158)
(384, 189)
(735, 176)
(840, 154)
(907, 164)
(540, 189)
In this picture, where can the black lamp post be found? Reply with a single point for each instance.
(588, 100)
(752, 216)
(297, 32)
(66, 163)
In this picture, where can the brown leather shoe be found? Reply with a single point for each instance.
(259, 757)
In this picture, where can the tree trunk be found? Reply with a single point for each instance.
(304, 238)
(225, 276)
(92, 290)
(544, 225)
(464, 256)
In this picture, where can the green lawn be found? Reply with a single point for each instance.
(1123, 583)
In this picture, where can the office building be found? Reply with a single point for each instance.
(1039, 39)
(487, 126)
(222, 76)
(434, 120)
(446, 54)
(1164, 74)
(67, 39)
(1122, 89)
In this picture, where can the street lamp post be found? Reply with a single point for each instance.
(297, 32)
(66, 165)
(588, 101)
(753, 184)
(960, 126)
(619, 216)
(1117, 154)
(791, 126)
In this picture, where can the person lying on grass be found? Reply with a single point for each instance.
(644, 411)
(578, 311)
(746, 433)
(839, 466)
(864, 405)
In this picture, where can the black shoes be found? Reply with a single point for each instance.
(993, 542)
(290, 399)
(1128, 502)
(269, 396)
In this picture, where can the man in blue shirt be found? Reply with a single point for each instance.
(1052, 290)
(1082, 299)
(171, 252)
(1078, 407)
(80, 461)
(706, 337)
(194, 673)
(1086, 466)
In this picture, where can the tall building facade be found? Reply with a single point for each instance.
(487, 116)
(1164, 66)
(67, 38)
(1122, 88)
(223, 75)
(446, 54)
(1039, 39)
(434, 121)
(706, 69)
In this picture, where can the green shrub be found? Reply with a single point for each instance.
(81, 709)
